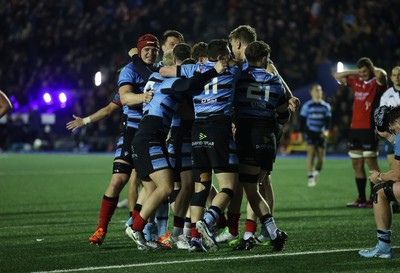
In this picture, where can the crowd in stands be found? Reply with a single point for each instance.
(48, 43)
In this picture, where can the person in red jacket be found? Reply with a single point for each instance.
(368, 83)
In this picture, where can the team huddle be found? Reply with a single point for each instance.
(211, 110)
(215, 111)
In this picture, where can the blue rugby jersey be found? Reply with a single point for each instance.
(397, 148)
(128, 75)
(258, 94)
(161, 105)
(176, 121)
(317, 115)
(216, 97)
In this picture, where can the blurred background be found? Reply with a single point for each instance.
(51, 51)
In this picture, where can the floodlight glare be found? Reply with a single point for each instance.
(97, 78)
(47, 97)
(340, 67)
(62, 97)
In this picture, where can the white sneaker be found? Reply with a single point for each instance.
(225, 236)
(376, 252)
(137, 238)
(196, 245)
(152, 244)
(182, 242)
(316, 175)
(208, 235)
(311, 182)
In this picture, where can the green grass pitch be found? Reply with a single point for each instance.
(50, 204)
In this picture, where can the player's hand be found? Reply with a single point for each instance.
(294, 104)
(221, 65)
(233, 62)
(385, 134)
(148, 96)
(133, 51)
(374, 177)
(234, 131)
(75, 124)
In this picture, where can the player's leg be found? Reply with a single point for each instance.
(228, 184)
(250, 226)
(266, 190)
(163, 187)
(133, 190)
(163, 179)
(357, 162)
(150, 230)
(182, 147)
(202, 188)
(311, 153)
(371, 158)
(133, 196)
(320, 159)
(390, 160)
(122, 169)
(249, 178)
(221, 223)
(182, 206)
(120, 176)
(151, 161)
(321, 149)
(138, 237)
(386, 193)
(230, 234)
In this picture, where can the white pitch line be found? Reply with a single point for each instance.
(53, 172)
(198, 260)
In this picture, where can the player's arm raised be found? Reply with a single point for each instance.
(98, 115)
(169, 71)
(341, 77)
(294, 102)
(129, 98)
(381, 76)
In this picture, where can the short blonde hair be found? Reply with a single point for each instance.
(168, 58)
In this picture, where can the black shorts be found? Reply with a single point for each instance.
(256, 143)
(213, 147)
(149, 149)
(315, 138)
(124, 145)
(180, 148)
(363, 139)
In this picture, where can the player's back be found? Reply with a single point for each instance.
(217, 96)
(161, 105)
(258, 93)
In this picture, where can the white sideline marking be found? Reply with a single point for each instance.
(198, 260)
(54, 172)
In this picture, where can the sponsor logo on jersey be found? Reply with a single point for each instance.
(202, 136)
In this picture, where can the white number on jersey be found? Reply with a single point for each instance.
(149, 86)
(214, 87)
(254, 89)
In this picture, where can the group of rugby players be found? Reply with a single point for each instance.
(214, 110)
